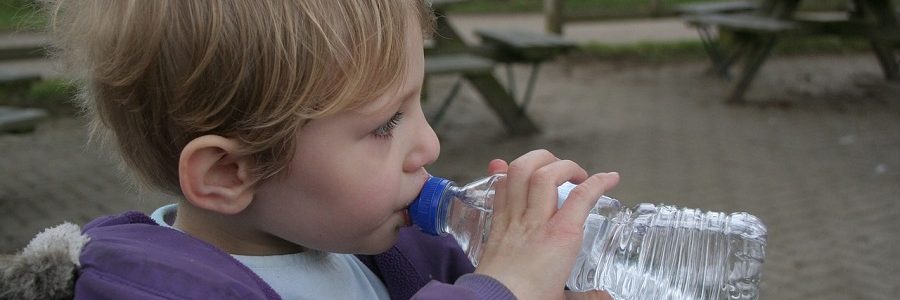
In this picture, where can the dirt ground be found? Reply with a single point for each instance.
(815, 154)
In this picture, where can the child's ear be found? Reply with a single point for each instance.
(215, 176)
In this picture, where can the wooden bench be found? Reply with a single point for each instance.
(457, 63)
(515, 46)
(716, 8)
(23, 47)
(438, 64)
(753, 23)
(15, 77)
(753, 35)
(478, 71)
(20, 120)
(18, 82)
(752, 28)
(512, 46)
(475, 70)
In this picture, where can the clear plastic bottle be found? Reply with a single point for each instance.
(646, 252)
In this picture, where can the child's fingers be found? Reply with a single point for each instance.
(500, 220)
(497, 166)
(494, 167)
(583, 197)
(542, 194)
(517, 181)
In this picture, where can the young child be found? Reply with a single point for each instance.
(292, 135)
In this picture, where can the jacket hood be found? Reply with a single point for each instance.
(46, 268)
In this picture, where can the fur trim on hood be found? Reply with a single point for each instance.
(46, 268)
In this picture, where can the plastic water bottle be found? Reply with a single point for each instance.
(646, 252)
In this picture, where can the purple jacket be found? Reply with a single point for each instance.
(130, 257)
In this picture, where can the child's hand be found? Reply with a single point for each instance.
(532, 246)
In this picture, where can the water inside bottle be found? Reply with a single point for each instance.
(660, 252)
(470, 226)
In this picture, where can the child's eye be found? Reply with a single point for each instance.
(387, 129)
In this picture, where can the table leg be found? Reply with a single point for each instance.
(755, 49)
(446, 38)
(714, 49)
(889, 65)
(883, 15)
(740, 43)
(439, 115)
(515, 120)
(532, 80)
(755, 56)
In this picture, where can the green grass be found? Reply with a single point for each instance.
(20, 15)
(650, 52)
(54, 96)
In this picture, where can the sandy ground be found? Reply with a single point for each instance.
(816, 155)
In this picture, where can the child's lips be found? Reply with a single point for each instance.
(406, 220)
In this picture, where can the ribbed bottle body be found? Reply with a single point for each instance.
(662, 252)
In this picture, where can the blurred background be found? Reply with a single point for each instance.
(811, 146)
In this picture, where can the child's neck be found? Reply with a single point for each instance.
(230, 233)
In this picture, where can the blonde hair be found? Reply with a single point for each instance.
(157, 74)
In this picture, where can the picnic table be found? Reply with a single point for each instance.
(448, 53)
(755, 33)
(17, 82)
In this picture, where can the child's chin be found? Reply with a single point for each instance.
(384, 245)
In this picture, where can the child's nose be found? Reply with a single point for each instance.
(426, 148)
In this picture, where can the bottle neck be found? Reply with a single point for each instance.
(429, 210)
(479, 194)
(445, 207)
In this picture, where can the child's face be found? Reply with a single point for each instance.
(354, 173)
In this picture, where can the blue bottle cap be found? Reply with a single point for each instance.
(424, 210)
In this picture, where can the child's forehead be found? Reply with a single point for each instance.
(388, 101)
